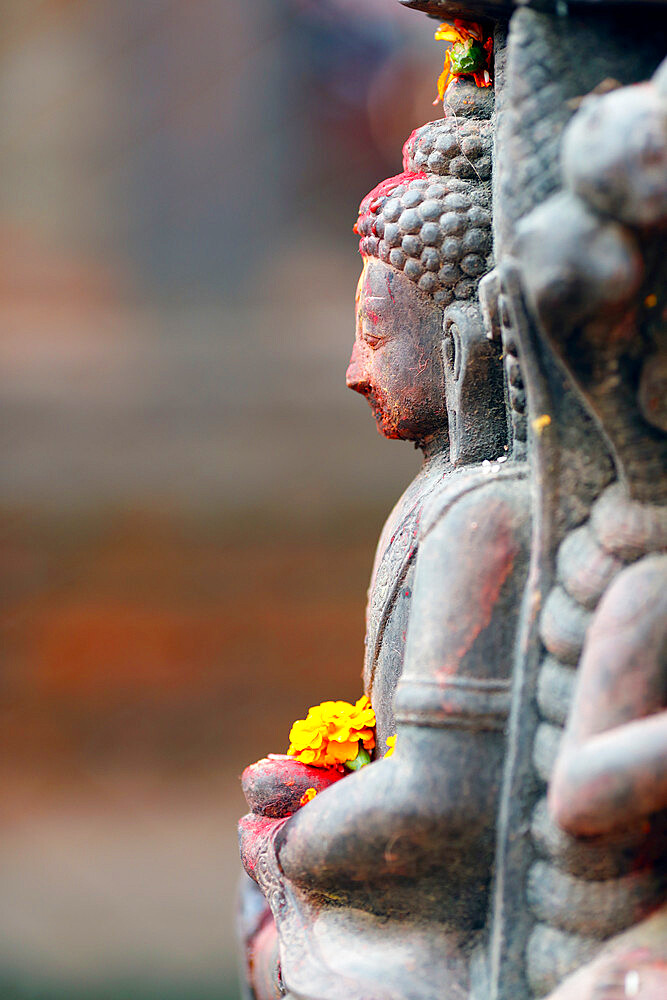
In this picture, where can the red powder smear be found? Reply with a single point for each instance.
(372, 316)
(375, 198)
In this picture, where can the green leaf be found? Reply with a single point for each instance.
(467, 57)
(362, 758)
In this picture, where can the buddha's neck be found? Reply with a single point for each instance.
(435, 448)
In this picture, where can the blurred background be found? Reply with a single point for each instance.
(191, 497)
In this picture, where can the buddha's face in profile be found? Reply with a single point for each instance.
(397, 361)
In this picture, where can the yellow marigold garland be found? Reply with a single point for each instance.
(334, 734)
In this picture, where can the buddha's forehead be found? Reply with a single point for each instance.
(381, 288)
(375, 281)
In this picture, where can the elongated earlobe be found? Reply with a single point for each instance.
(473, 387)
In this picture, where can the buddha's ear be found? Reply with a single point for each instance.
(474, 389)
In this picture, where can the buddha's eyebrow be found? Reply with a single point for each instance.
(373, 308)
(376, 301)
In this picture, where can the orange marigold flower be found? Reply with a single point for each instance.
(307, 796)
(333, 733)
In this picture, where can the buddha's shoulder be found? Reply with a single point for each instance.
(493, 487)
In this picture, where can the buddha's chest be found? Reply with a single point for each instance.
(390, 598)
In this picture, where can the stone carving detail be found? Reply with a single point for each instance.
(433, 221)
(513, 847)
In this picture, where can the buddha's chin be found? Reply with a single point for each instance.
(384, 422)
(390, 423)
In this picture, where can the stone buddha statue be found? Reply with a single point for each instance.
(513, 845)
(379, 887)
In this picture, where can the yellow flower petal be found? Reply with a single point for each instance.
(448, 33)
(333, 733)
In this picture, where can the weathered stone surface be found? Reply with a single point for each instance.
(513, 846)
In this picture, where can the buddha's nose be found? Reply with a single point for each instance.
(356, 377)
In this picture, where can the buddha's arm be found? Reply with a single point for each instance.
(431, 806)
(612, 768)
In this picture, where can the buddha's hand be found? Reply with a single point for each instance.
(275, 788)
(257, 846)
(278, 785)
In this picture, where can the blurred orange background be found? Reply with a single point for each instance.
(191, 497)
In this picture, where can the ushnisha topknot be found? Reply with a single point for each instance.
(433, 221)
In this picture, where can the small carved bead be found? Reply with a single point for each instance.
(585, 906)
(413, 197)
(476, 240)
(563, 625)
(584, 568)
(555, 688)
(430, 259)
(472, 146)
(447, 143)
(413, 269)
(384, 250)
(420, 184)
(436, 190)
(452, 223)
(397, 258)
(451, 249)
(420, 159)
(443, 296)
(448, 274)
(392, 234)
(473, 265)
(478, 216)
(379, 226)
(483, 166)
(422, 144)
(412, 245)
(465, 289)
(456, 201)
(461, 166)
(428, 282)
(437, 162)
(430, 233)
(370, 245)
(392, 209)
(410, 221)
(430, 209)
